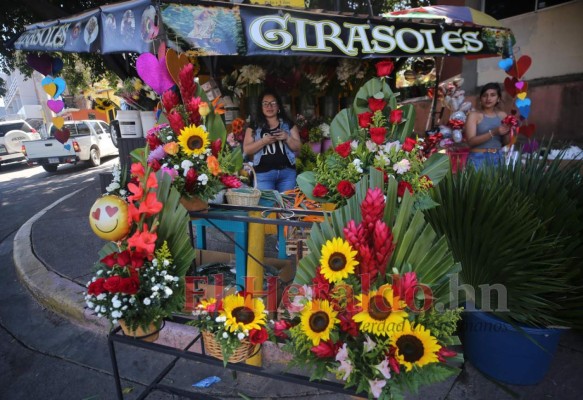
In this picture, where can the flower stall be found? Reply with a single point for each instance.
(368, 311)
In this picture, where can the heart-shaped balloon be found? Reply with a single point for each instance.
(58, 122)
(520, 67)
(521, 96)
(62, 135)
(67, 147)
(175, 62)
(54, 87)
(506, 63)
(521, 86)
(523, 107)
(56, 106)
(527, 130)
(61, 86)
(57, 66)
(509, 85)
(42, 63)
(50, 89)
(154, 72)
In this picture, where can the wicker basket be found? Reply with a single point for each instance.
(245, 196)
(213, 348)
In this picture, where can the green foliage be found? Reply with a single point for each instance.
(504, 227)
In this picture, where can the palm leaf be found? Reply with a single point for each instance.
(342, 126)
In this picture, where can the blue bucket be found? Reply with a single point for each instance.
(500, 351)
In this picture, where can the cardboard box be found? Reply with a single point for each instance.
(198, 288)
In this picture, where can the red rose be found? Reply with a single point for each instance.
(402, 186)
(396, 116)
(325, 349)
(384, 68)
(345, 188)
(364, 119)
(155, 165)
(258, 336)
(320, 190)
(96, 288)
(376, 104)
(129, 285)
(409, 144)
(344, 149)
(123, 258)
(137, 259)
(112, 284)
(216, 147)
(110, 260)
(279, 327)
(377, 134)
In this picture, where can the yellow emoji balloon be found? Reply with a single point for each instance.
(109, 218)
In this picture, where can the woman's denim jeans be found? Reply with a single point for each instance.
(277, 179)
(481, 160)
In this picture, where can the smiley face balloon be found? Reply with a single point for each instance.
(109, 218)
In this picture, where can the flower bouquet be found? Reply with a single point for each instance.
(251, 78)
(137, 94)
(192, 148)
(373, 134)
(232, 327)
(139, 279)
(366, 299)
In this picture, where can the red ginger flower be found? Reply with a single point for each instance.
(230, 181)
(192, 106)
(326, 349)
(320, 286)
(377, 134)
(216, 147)
(355, 235)
(176, 122)
(383, 245)
(372, 208)
(190, 179)
(153, 141)
(279, 327)
(170, 100)
(186, 82)
(376, 104)
(443, 353)
(404, 285)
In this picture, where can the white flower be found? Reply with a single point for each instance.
(147, 301)
(354, 144)
(371, 146)
(116, 303)
(167, 277)
(177, 167)
(203, 179)
(342, 353)
(123, 192)
(369, 344)
(396, 145)
(166, 263)
(168, 291)
(225, 335)
(402, 166)
(346, 368)
(384, 369)
(101, 296)
(325, 128)
(218, 319)
(155, 288)
(90, 304)
(116, 314)
(155, 262)
(376, 387)
(169, 137)
(185, 165)
(240, 335)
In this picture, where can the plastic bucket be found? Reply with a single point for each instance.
(130, 124)
(502, 352)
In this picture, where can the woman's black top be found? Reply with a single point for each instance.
(273, 154)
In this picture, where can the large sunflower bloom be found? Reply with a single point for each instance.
(193, 140)
(382, 311)
(338, 260)
(317, 320)
(243, 313)
(415, 346)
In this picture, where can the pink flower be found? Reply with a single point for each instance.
(346, 369)
(384, 369)
(170, 171)
(376, 387)
(230, 181)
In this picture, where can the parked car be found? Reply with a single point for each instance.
(12, 133)
(89, 141)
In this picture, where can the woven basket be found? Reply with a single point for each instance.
(213, 348)
(245, 196)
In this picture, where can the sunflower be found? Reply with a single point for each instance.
(193, 140)
(382, 312)
(337, 260)
(243, 313)
(415, 346)
(317, 320)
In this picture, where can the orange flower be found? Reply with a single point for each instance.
(143, 241)
(237, 125)
(203, 109)
(137, 169)
(151, 205)
(152, 182)
(171, 148)
(137, 191)
(219, 107)
(213, 165)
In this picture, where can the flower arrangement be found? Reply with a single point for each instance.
(376, 138)
(140, 278)
(233, 320)
(367, 311)
(117, 186)
(137, 94)
(251, 78)
(191, 147)
(237, 135)
(351, 74)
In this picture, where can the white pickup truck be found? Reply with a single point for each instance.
(89, 141)
(12, 133)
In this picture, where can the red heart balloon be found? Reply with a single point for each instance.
(62, 135)
(527, 130)
(509, 86)
(520, 67)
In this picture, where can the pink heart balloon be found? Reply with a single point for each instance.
(519, 85)
(153, 71)
(56, 106)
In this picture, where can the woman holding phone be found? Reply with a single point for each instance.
(272, 143)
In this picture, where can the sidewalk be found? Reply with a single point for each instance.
(54, 253)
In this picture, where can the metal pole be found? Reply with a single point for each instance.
(256, 250)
